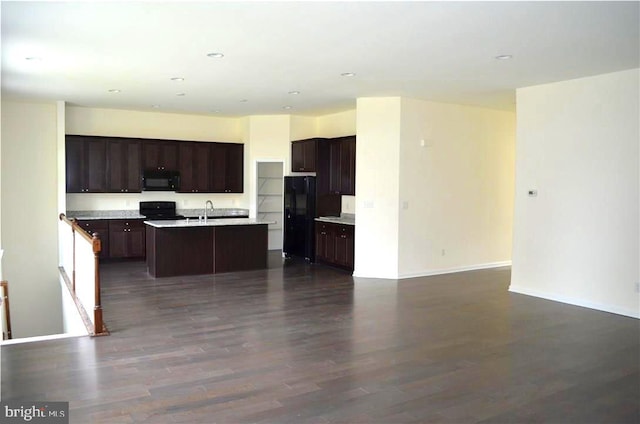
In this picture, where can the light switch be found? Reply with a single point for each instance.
(532, 193)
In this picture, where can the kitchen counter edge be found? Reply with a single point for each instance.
(183, 223)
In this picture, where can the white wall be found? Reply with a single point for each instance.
(29, 216)
(173, 126)
(578, 145)
(454, 195)
(377, 187)
(456, 191)
(337, 124)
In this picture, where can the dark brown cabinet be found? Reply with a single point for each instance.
(303, 155)
(160, 155)
(342, 165)
(86, 163)
(115, 165)
(127, 238)
(195, 164)
(124, 166)
(227, 168)
(335, 244)
(101, 227)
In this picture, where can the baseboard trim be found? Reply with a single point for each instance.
(575, 301)
(455, 269)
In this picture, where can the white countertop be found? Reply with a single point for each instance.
(183, 223)
(337, 220)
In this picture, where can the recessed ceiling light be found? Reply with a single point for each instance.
(504, 57)
(286, 107)
(180, 94)
(114, 90)
(177, 79)
(33, 58)
(294, 92)
(155, 106)
(244, 101)
(348, 74)
(216, 55)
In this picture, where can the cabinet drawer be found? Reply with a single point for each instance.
(125, 224)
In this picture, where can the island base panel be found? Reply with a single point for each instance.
(240, 248)
(179, 251)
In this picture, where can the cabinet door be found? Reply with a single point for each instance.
(187, 167)
(117, 239)
(126, 238)
(123, 175)
(195, 167)
(297, 156)
(136, 246)
(169, 155)
(96, 156)
(335, 166)
(303, 156)
(227, 168)
(74, 164)
(344, 245)
(325, 242)
(86, 164)
(235, 168)
(348, 166)
(133, 168)
(161, 155)
(151, 151)
(218, 168)
(100, 227)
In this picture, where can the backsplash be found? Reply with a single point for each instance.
(117, 201)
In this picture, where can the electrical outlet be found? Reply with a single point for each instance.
(444, 252)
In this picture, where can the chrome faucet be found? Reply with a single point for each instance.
(207, 205)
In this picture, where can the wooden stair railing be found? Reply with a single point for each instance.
(5, 309)
(99, 328)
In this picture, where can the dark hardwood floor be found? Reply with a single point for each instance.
(303, 343)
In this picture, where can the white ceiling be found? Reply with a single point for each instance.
(441, 51)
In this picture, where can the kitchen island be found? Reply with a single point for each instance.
(191, 247)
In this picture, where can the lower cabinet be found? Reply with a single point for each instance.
(335, 244)
(127, 238)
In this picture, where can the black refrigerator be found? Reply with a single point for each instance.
(299, 214)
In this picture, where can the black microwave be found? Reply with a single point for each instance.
(160, 180)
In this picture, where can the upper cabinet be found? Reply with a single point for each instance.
(227, 168)
(160, 155)
(342, 165)
(211, 167)
(195, 167)
(303, 155)
(86, 162)
(123, 169)
(114, 165)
